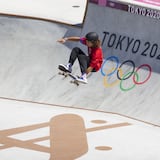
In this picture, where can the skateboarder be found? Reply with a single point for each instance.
(90, 62)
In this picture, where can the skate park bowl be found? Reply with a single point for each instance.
(114, 116)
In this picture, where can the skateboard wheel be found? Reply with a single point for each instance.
(75, 83)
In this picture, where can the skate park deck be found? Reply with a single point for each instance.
(114, 119)
(47, 10)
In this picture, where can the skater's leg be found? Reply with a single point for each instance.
(83, 62)
(74, 55)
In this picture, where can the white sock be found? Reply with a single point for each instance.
(69, 65)
(84, 75)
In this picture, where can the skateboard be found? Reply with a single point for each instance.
(65, 73)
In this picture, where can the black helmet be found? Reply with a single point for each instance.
(92, 36)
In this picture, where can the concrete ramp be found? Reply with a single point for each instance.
(128, 82)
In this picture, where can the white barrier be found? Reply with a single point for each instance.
(69, 12)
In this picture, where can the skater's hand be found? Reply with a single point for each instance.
(63, 40)
(89, 69)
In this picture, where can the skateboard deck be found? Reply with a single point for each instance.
(65, 73)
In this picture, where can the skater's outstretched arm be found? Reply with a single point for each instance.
(63, 40)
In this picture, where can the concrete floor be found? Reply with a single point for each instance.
(47, 132)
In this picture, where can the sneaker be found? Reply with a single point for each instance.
(66, 68)
(82, 79)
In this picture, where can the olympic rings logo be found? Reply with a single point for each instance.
(122, 77)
